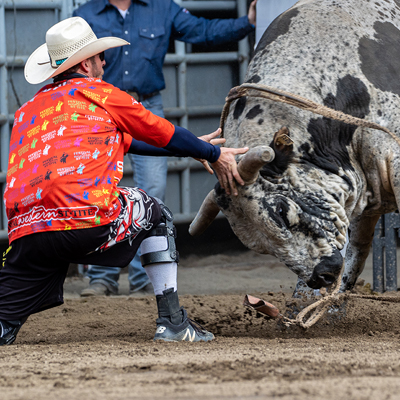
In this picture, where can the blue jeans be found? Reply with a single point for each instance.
(149, 174)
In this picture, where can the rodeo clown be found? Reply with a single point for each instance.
(62, 199)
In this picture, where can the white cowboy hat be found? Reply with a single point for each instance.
(67, 43)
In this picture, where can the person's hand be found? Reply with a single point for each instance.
(252, 13)
(213, 139)
(226, 169)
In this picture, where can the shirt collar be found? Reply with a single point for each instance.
(102, 4)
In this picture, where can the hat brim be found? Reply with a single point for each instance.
(38, 67)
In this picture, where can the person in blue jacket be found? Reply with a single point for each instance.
(137, 68)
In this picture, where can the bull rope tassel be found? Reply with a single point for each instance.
(278, 95)
(322, 305)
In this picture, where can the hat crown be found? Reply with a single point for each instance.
(66, 38)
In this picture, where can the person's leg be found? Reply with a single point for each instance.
(33, 272)
(149, 174)
(103, 281)
(160, 258)
(31, 280)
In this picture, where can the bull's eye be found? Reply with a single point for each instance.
(282, 210)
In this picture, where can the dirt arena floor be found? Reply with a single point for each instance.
(102, 348)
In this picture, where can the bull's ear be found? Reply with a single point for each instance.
(282, 140)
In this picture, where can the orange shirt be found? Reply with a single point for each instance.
(66, 155)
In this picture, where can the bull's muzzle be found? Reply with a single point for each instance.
(327, 271)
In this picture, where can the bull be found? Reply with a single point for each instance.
(311, 179)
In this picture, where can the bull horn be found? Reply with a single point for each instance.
(250, 164)
(207, 213)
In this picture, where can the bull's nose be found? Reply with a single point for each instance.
(321, 281)
(327, 271)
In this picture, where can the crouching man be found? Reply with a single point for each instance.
(62, 199)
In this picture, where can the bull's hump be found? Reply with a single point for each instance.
(380, 57)
(280, 26)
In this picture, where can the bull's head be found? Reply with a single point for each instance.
(303, 226)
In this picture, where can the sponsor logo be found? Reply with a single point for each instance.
(187, 335)
(24, 174)
(42, 214)
(36, 181)
(46, 112)
(80, 105)
(33, 131)
(80, 128)
(60, 118)
(50, 161)
(93, 140)
(91, 95)
(23, 126)
(28, 199)
(24, 149)
(12, 170)
(35, 155)
(94, 118)
(83, 182)
(65, 171)
(82, 155)
(62, 144)
(13, 146)
(57, 95)
(48, 136)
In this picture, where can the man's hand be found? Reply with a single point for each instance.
(213, 139)
(252, 13)
(226, 169)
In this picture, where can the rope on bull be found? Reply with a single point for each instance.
(278, 95)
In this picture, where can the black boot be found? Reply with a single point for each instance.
(9, 330)
(173, 325)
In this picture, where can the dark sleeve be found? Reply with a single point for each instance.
(185, 144)
(144, 149)
(191, 29)
(182, 144)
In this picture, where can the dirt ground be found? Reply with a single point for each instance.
(102, 348)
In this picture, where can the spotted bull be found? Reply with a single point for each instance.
(311, 179)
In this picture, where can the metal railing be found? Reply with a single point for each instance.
(384, 248)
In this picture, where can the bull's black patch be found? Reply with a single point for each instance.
(223, 200)
(380, 58)
(278, 27)
(256, 110)
(239, 107)
(254, 79)
(330, 137)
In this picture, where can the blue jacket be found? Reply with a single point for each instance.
(148, 26)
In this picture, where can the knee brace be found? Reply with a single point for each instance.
(167, 229)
